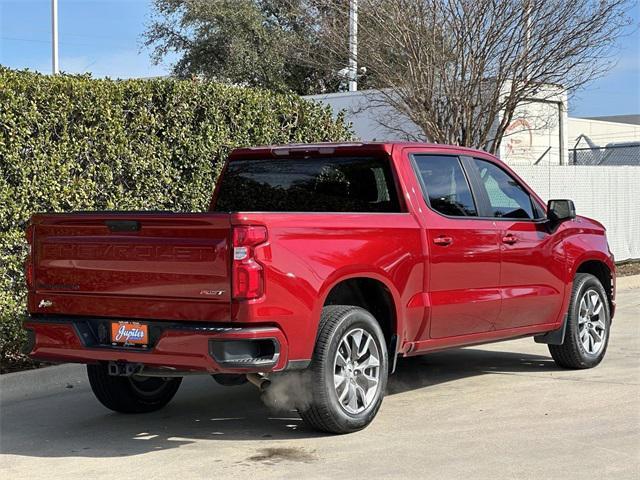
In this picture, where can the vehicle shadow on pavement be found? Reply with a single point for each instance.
(446, 366)
(73, 424)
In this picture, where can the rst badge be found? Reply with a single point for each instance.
(212, 293)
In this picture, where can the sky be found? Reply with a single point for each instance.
(104, 37)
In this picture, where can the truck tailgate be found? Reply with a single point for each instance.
(91, 262)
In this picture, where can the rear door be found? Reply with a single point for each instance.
(532, 257)
(464, 253)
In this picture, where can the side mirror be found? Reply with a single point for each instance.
(560, 210)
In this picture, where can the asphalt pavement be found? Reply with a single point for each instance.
(493, 411)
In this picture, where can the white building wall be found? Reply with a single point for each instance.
(379, 123)
(601, 133)
(537, 133)
(539, 124)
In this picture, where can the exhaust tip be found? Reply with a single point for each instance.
(259, 381)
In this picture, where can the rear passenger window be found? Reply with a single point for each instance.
(507, 197)
(445, 185)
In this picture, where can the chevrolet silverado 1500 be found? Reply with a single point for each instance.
(330, 259)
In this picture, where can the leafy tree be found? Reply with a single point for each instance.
(263, 43)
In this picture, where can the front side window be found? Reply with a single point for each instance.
(507, 198)
(445, 185)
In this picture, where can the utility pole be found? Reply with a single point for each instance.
(353, 45)
(54, 37)
(527, 36)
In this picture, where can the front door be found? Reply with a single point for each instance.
(533, 261)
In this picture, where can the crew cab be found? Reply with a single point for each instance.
(329, 260)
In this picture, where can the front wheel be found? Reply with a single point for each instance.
(131, 394)
(348, 371)
(588, 321)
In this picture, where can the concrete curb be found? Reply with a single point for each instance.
(628, 283)
(41, 381)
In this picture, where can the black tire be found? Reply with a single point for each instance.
(324, 411)
(573, 353)
(129, 394)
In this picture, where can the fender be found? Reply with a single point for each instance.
(573, 264)
(556, 337)
(363, 271)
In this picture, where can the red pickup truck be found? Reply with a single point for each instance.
(329, 259)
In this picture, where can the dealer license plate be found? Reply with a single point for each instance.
(129, 334)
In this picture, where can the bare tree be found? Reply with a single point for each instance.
(457, 69)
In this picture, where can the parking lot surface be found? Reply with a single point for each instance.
(493, 411)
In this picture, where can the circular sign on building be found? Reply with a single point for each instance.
(518, 140)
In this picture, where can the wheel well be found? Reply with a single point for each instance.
(370, 294)
(601, 271)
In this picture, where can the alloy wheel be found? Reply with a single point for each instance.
(591, 322)
(356, 370)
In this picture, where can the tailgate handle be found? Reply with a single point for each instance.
(123, 225)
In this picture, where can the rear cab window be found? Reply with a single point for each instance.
(308, 184)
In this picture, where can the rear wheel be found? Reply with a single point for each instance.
(133, 394)
(588, 321)
(348, 371)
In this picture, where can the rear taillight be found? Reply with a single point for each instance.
(28, 264)
(247, 274)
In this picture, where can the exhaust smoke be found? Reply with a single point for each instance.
(288, 391)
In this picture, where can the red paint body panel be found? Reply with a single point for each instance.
(464, 282)
(156, 272)
(532, 275)
(177, 268)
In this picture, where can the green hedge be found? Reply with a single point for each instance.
(75, 143)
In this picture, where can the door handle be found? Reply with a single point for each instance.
(509, 239)
(443, 241)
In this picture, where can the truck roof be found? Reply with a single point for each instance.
(336, 147)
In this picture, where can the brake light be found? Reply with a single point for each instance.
(247, 274)
(28, 264)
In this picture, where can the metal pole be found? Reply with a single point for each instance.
(54, 37)
(353, 45)
(527, 36)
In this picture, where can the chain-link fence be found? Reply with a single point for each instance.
(609, 155)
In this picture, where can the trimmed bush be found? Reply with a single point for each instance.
(75, 143)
